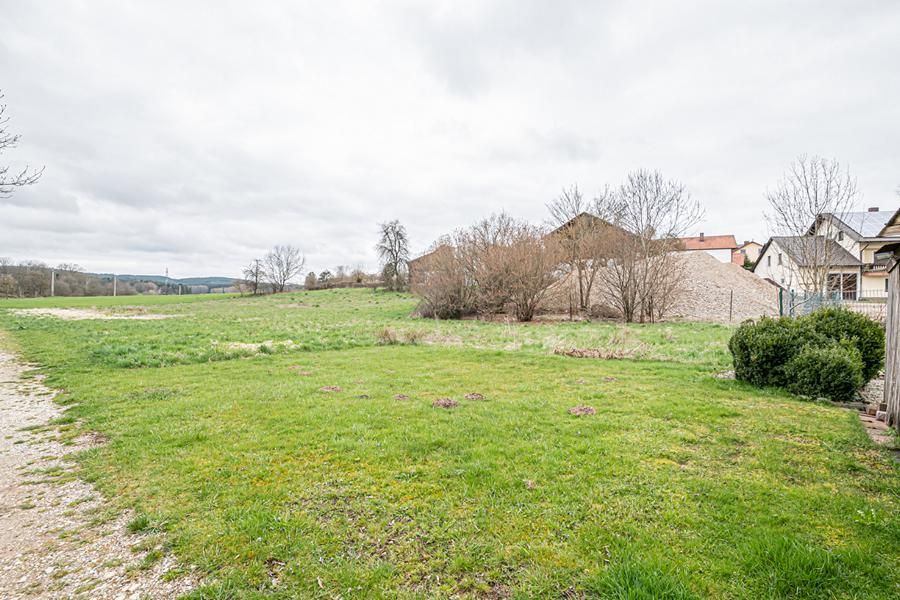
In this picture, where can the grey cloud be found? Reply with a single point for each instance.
(197, 135)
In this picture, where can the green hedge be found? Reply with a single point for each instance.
(864, 333)
(832, 371)
(830, 353)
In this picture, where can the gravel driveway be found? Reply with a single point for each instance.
(51, 543)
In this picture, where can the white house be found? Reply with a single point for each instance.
(850, 242)
(718, 246)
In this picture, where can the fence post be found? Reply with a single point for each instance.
(731, 306)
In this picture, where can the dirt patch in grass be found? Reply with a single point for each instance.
(445, 403)
(84, 314)
(92, 439)
(300, 371)
(582, 410)
(474, 396)
(401, 397)
(331, 388)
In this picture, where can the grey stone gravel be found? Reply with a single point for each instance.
(51, 545)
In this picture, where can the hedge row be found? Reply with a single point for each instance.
(830, 353)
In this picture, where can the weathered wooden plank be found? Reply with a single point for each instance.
(892, 354)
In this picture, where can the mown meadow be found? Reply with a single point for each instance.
(286, 446)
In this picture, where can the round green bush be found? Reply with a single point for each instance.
(762, 349)
(833, 371)
(865, 334)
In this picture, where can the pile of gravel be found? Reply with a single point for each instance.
(712, 291)
(708, 288)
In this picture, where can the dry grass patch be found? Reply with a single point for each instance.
(602, 353)
(582, 410)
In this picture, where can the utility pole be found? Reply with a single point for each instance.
(52, 283)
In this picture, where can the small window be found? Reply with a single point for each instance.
(769, 261)
(779, 258)
(886, 281)
(840, 236)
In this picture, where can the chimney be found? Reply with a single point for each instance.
(701, 237)
(873, 209)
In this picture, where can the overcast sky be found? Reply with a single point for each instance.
(194, 135)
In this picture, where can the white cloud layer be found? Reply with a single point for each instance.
(194, 135)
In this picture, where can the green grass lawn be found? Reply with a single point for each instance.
(681, 486)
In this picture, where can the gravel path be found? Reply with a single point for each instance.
(56, 538)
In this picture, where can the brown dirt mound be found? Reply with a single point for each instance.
(445, 403)
(582, 410)
(474, 396)
(331, 388)
(401, 397)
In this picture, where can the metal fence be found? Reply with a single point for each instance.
(873, 304)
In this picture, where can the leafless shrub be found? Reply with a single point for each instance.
(644, 275)
(497, 263)
(439, 279)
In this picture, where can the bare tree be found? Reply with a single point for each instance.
(814, 195)
(644, 274)
(583, 240)
(393, 251)
(311, 282)
(281, 265)
(9, 181)
(253, 276)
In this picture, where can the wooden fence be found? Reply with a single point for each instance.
(892, 357)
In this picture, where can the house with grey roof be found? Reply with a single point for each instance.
(845, 246)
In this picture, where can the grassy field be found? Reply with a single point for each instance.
(681, 486)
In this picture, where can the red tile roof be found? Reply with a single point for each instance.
(710, 242)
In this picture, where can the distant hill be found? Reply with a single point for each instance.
(162, 279)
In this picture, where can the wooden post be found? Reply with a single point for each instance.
(731, 306)
(892, 345)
